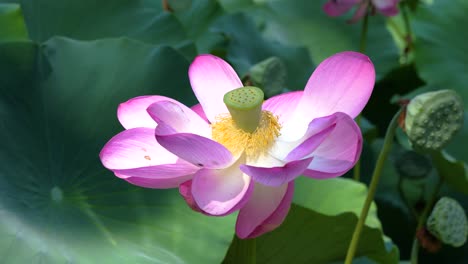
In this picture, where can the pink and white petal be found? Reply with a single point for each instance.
(308, 146)
(386, 7)
(341, 83)
(277, 176)
(339, 151)
(132, 113)
(360, 12)
(338, 8)
(179, 118)
(221, 192)
(265, 211)
(156, 183)
(295, 143)
(198, 150)
(199, 110)
(185, 189)
(283, 105)
(134, 148)
(211, 78)
(161, 172)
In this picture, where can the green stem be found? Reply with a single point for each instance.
(389, 136)
(362, 49)
(395, 28)
(403, 197)
(357, 167)
(415, 251)
(404, 12)
(362, 43)
(423, 218)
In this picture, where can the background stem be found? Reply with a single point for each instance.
(362, 49)
(423, 218)
(388, 141)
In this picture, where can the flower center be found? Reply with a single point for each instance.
(247, 129)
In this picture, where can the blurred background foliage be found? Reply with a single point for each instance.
(66, 65)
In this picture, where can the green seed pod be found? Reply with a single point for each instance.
(432, 119)
(270, 74)
(448, 223)
(245, 106)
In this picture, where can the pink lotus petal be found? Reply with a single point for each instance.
(337, 8)
(132, 113)
(283, 105)
(211, 78)
(389, 11)
(179, 118)
(136, 156)
(341, 83)
(309, 145)
(265, 211)
(277, 176)
(199, 110)
(165, 183)
(161, 172)
(221, 192)
(294, 144)
(134, 148)
(198, 150)
(185, 189)
(339, 151)
(386, 7)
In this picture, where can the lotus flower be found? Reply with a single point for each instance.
(236, 152)
(338, 7)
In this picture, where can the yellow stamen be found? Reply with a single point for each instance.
(254, 144)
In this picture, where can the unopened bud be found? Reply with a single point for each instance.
(432, 119)
(269, 74)
(448, 223)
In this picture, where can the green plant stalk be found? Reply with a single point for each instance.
(423, 218)
(404, 199)
(404, 12)
(362, 49)
(357, 167)
(388, 141)
(364, 29)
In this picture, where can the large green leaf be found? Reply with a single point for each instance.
(246, 47)
(12, 25)
(319, 226)
(334, 197)
(90, 19)
(57, 203)
(454, 172)
(440, 55)
(197, 21)
(304, 22)
(440, 49)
